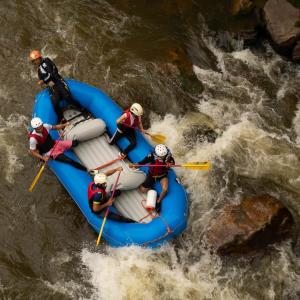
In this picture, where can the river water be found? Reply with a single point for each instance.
(248, 97)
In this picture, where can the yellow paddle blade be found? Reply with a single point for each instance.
(205, 165)
(158, 138)
(37, 177)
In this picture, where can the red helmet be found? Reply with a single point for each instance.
(34, 54)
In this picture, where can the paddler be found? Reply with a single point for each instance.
(42, 145)
(161, 160)
(48, 75)
(128, 122)
(99, 198)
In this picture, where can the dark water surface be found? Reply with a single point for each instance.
(168, 55)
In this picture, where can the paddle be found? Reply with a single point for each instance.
(107, 210)
(38, 175)
(157, 138)
(109, 163)
(205, 165)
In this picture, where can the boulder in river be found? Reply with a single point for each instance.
(282, 24)
(250, 225)
(296, 53)
(240, 7)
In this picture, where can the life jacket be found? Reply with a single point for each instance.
(92, 192)
(131, 120)
(45, 142)
(161, 170)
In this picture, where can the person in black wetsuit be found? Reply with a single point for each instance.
(58, 88)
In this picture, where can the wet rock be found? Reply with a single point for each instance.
(250, 36)
(199, 133)
(178, 64)
(287, 107)
(282, 24)
(180, 58)
(296, 53)
(170, 69)
(241, 7)
(250, 225)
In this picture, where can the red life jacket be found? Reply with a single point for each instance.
(131, 120)
(45, 142)
(92, 192)
(162, 170)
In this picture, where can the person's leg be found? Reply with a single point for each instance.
(147, 184)
(130, 135)
(143, 189)
(117, 135)
(115, 217)
(66, 159)
(75, 143)
(164, 188)
(55, 99)
(66, 94)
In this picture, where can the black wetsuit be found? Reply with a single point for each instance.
(47, 72)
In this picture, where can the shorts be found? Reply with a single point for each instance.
(150, 180)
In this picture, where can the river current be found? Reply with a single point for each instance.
(246, 97)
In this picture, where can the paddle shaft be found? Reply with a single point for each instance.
(193, 166)
(107, 210)
(151, 165)
(108, 163)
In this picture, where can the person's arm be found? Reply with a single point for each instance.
(33, 150)
(36, 154)
(112, 171)
(141, 125)
(147, 160)
(121, 119)
(60, 126)
(97, 207)
(171, 161)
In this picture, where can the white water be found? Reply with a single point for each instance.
(231, 104)
(236, 105)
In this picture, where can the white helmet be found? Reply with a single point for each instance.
(161, 150)
(136, 109)
(36, 123)
(100, 178)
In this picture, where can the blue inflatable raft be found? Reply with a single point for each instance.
(149, 230)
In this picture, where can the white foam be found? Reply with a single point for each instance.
(244, 147)
(136, 273)
(248, 58)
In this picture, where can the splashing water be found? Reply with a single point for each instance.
(247, 146)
